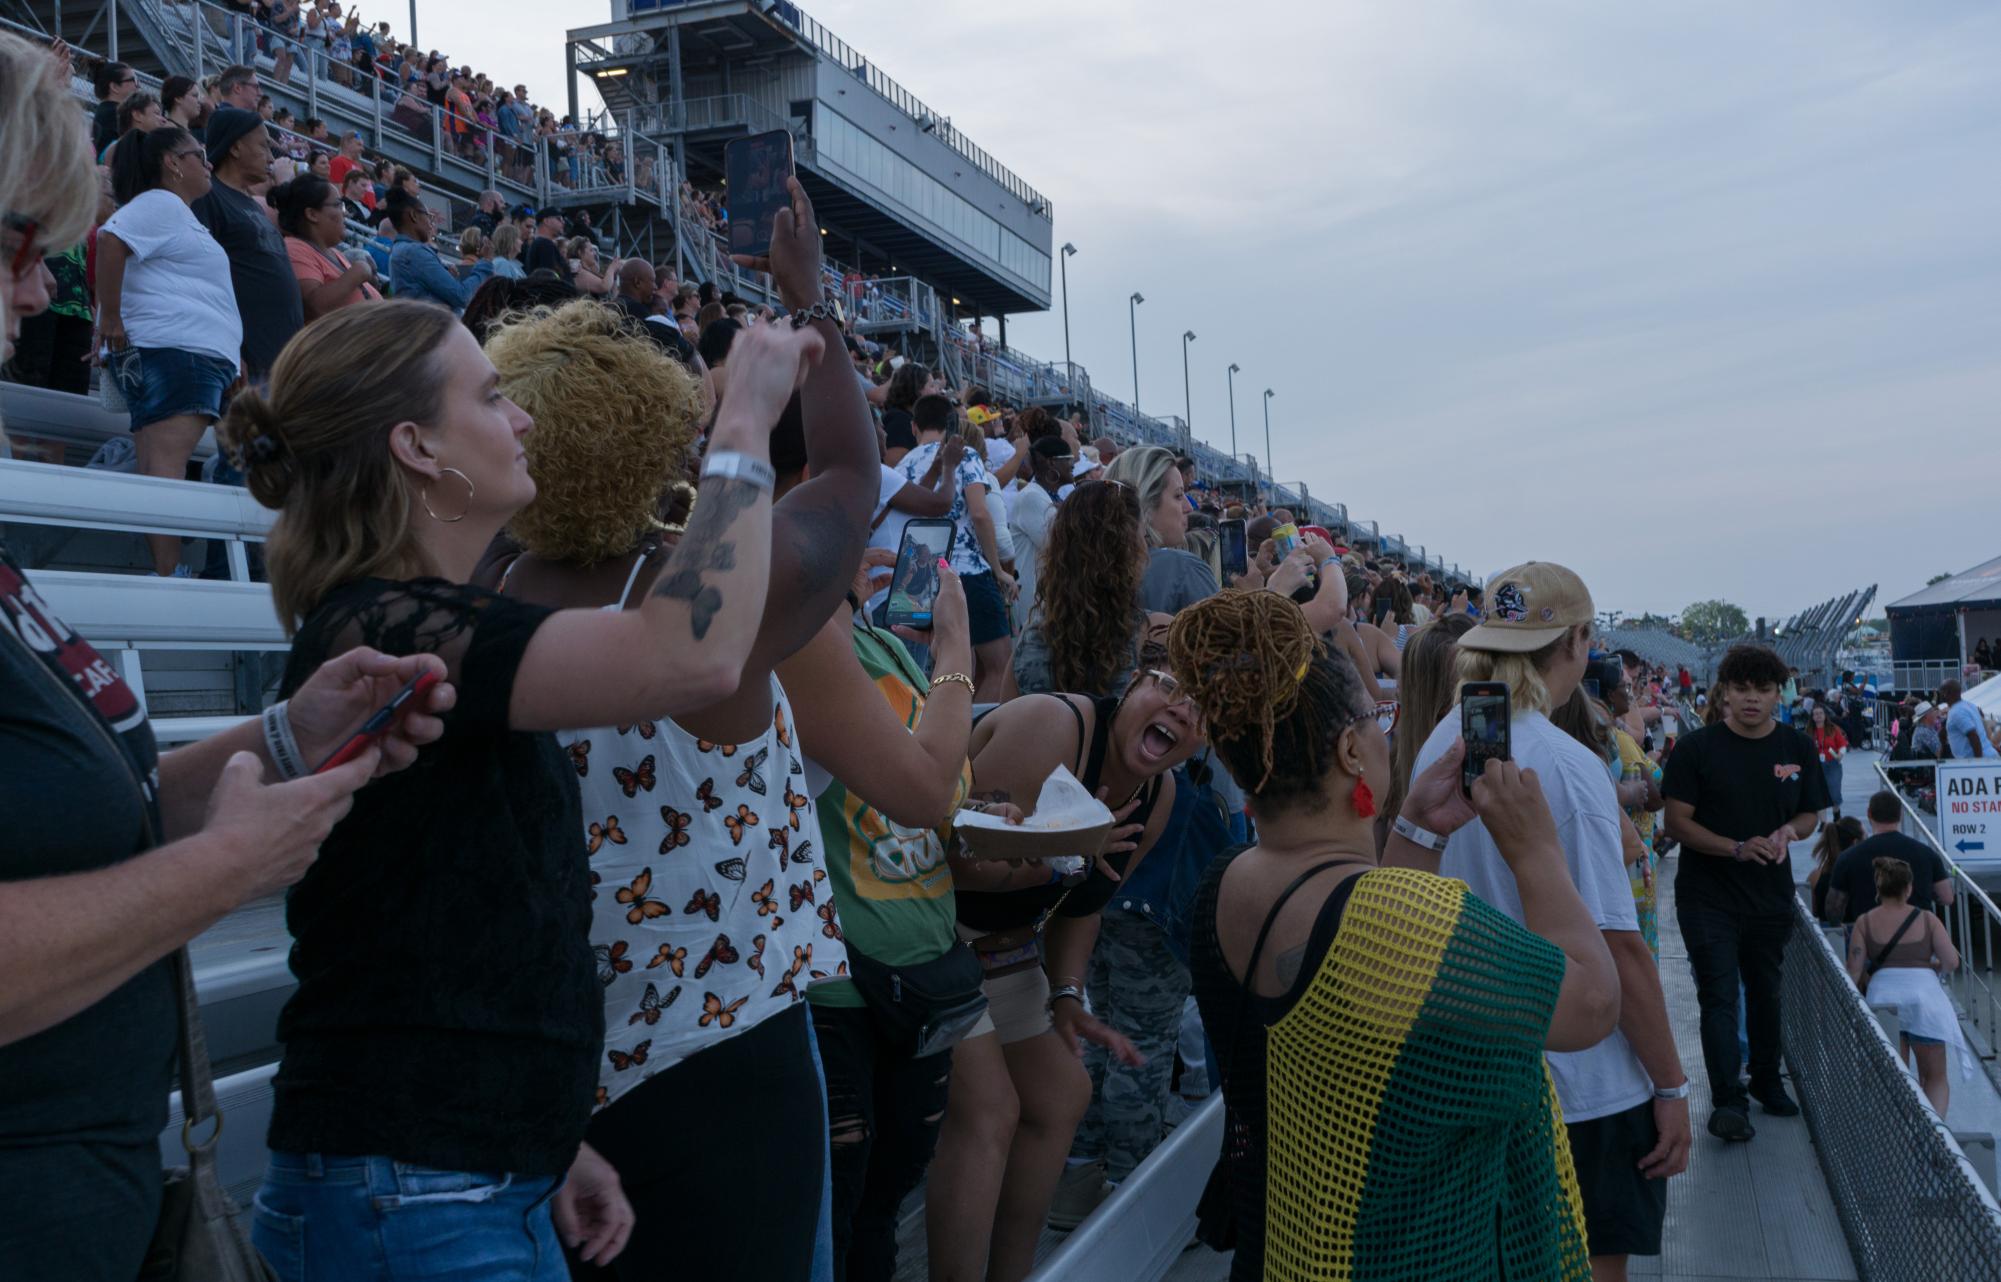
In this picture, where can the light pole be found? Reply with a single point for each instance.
(1233, 408)
(1069, 369)
(1268, 459)
(1132, 313)
(1187, 399)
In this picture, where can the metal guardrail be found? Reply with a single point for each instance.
(1911, 1204)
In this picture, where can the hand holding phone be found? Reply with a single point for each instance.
(1484, 723)
(1234, 546)
(758, 170)
(408, 699)
(913, 591)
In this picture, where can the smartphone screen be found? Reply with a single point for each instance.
(1235, 547)
(1483, 723)
(914, 589)
(756, 169)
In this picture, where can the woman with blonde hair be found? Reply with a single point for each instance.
(427, 1094)
(505, 246)
(1174, 577)
(1425, 694)
(708, 927)
(582, 253)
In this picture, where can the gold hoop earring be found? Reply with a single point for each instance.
(424, 497)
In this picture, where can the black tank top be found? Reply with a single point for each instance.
(993, 911)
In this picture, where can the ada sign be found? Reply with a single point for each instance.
(1969, 809)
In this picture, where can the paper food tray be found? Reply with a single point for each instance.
(1068, 820)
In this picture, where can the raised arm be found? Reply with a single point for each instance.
(819, 529)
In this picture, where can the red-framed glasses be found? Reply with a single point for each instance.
(25, 255)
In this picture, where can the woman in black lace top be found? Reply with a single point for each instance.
(441, 1049)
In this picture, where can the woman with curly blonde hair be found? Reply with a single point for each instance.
(1085, 634)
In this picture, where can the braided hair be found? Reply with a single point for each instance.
(1275, 700)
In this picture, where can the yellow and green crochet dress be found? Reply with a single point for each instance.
(1392, 1117)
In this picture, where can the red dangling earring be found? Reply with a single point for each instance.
(1364, 799)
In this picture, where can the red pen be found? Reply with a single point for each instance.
(378, 725)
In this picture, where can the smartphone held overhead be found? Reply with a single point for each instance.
(756, 169)
(913, 590)
(1235, 548)
(1484, 723)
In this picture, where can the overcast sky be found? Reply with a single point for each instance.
(1700, 299)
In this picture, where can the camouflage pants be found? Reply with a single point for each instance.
(1138, 987)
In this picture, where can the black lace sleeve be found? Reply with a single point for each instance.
(480, 635)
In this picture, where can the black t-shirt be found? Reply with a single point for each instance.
(1742, 788)
(898, 430)
(78, 768)
(103, 126)
(448, 1011)
(1854, 873)
(543, 253)
(267, 293)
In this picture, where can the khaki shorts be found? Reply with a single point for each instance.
(1017, 1005)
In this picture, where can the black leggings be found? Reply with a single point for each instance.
(721, 1158)
(883, 1110)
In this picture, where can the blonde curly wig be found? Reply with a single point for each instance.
(615, 418)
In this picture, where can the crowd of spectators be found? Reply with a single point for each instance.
(649, 533)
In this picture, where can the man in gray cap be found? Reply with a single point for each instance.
(267, 293)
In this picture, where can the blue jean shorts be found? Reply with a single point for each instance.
(986, 607)
(165, 382)
(371, 1219)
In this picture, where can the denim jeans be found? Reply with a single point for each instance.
(823, 1237)
(321, 1218)
(1724, 949)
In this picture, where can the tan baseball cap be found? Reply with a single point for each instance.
(1528, 607)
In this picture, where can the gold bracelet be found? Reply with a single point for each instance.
(953, 678)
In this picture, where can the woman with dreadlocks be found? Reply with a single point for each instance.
(1379, 1029)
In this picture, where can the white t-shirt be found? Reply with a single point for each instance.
(1028, 525)
(177, 290)
(967, 558)
(1607, 1078)
(890, 533)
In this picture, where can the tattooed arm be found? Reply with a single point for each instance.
(684, 649)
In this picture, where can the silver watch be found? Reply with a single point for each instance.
(1673, 1092)
(1058, 994)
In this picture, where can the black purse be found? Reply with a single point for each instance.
(925, 1008)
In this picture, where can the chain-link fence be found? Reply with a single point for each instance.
(1911, 1205)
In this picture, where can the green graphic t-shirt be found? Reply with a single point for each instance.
(892, 886)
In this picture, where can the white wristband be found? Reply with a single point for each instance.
(1410, 832)
(736, 466)
(280, 743)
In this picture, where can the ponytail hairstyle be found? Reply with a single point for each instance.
(104, 75)
(172, 90)
(295, 199)
(1275, 700)
(1893, 877)
(138, 162)
(316, 447)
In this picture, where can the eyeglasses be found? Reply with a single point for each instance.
(185, 152)
(1388, 711)
(25, 257)
(1169, 686)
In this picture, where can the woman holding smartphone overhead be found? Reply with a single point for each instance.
(441, 1049)
(708, 926)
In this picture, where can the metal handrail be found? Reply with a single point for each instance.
(1969, 985)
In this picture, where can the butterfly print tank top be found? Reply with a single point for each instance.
(711, 910)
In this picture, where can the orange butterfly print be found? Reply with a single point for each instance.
(714, 1012)
(631, 781)
(766, 902)
(669, 956)
(677, 829)
(841, 969)
(797, 801)
(756, 960)
(828, 926)
(651, 1004)
(580, 757)
(642, 908)
(801, 957)
(744, 819)
(705, 902)
(612, 961)
(706, 794)
(720, 951)
(646, 729)
(727, 749)
(606, 831)
(781, 841)
(778, 724)
(621, 1061)
(802, 894)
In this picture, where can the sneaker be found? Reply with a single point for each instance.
(1776, 1102)
(1078, 1194)
(1733, 1124)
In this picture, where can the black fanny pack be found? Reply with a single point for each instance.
(925, 1008)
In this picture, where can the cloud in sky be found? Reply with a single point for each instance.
(1701, 299)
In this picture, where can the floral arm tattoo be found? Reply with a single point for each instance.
(704, 550)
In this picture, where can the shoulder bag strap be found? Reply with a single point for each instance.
(1883, 954)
